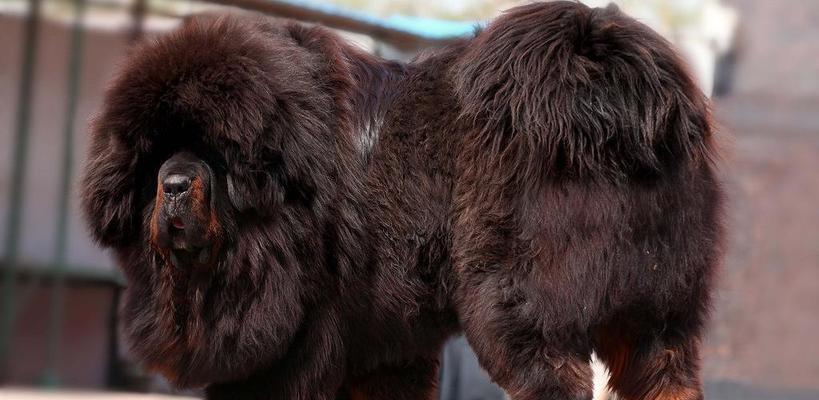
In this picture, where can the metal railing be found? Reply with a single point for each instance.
(20, 154)
(16, 189)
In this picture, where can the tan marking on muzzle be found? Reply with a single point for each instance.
(206, 215)
(160, 200)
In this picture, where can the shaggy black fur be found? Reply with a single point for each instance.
(546, 187)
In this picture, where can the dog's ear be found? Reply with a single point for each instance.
(335, 58)
(237, 197)
(110, 189)
(306, 122)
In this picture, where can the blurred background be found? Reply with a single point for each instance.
(758, 59)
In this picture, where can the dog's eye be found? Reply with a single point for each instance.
(237, 198)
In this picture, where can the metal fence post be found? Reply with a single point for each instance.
(50, 376)
(17, 186)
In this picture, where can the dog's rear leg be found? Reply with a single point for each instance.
(663, 367)
(415, 380)
(515, 343)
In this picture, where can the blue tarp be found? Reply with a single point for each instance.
(428, 28)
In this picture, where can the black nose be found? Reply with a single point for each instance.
(176, 184)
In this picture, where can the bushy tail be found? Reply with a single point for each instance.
(592, 91)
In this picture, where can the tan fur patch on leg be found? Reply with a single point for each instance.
(615, 352)
(678, 394)
(356, 394)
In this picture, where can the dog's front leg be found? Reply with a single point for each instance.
(313, 368)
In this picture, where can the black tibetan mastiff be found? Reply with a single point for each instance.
(297, 219)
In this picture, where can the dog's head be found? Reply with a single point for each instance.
(212, 169)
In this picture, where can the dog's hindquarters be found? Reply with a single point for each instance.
(586, 205)
(623, 271)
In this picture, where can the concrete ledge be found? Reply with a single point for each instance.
(31, 394)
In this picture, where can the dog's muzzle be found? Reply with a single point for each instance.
(183, 223)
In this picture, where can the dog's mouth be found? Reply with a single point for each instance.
(186, 241)
(185, 251)
(177, 224)
(178, 238)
